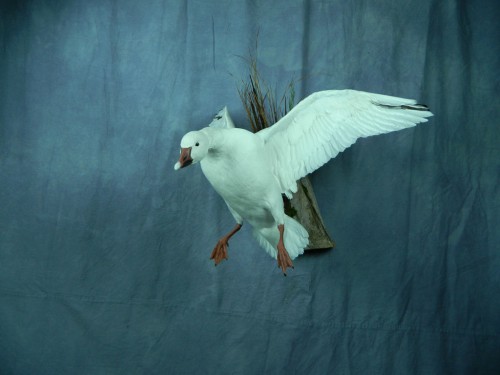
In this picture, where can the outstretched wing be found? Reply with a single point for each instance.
(326, 123)
(222, 120)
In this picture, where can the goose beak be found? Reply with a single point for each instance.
(185, 158)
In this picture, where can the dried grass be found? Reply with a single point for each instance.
(260, 100)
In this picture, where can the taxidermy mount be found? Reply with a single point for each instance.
(251, 171)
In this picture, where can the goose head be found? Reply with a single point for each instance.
(194, 147)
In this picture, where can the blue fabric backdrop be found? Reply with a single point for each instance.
(104, 249)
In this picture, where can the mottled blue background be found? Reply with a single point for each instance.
(104, 249)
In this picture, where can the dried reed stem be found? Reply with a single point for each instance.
(260, 101)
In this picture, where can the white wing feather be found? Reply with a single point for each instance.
(222, 120)
(326, 123)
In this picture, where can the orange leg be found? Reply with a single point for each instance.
(220, 250)
(284, 260)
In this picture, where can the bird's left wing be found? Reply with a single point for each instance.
(326, 123)
(222, 120)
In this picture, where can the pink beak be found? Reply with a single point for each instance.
(185, 158)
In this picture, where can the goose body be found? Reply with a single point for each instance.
(239, 172)
(252, 171)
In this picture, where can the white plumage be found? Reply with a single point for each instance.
(251, 171)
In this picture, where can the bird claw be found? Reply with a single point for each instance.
(219, 252)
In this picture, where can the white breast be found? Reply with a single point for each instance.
(240, 172)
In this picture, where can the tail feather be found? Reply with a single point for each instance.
(296, 238)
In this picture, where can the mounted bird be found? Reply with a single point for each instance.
(251, 171)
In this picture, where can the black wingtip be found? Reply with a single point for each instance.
(414, 107)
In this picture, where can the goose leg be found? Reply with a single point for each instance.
(284, 260)
(220, 250)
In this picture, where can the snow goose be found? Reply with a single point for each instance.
(251, 171)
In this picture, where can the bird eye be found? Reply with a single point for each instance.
(197, 144)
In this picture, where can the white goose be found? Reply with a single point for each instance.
(252, 171)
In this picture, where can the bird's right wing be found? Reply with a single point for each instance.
(326, 123)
